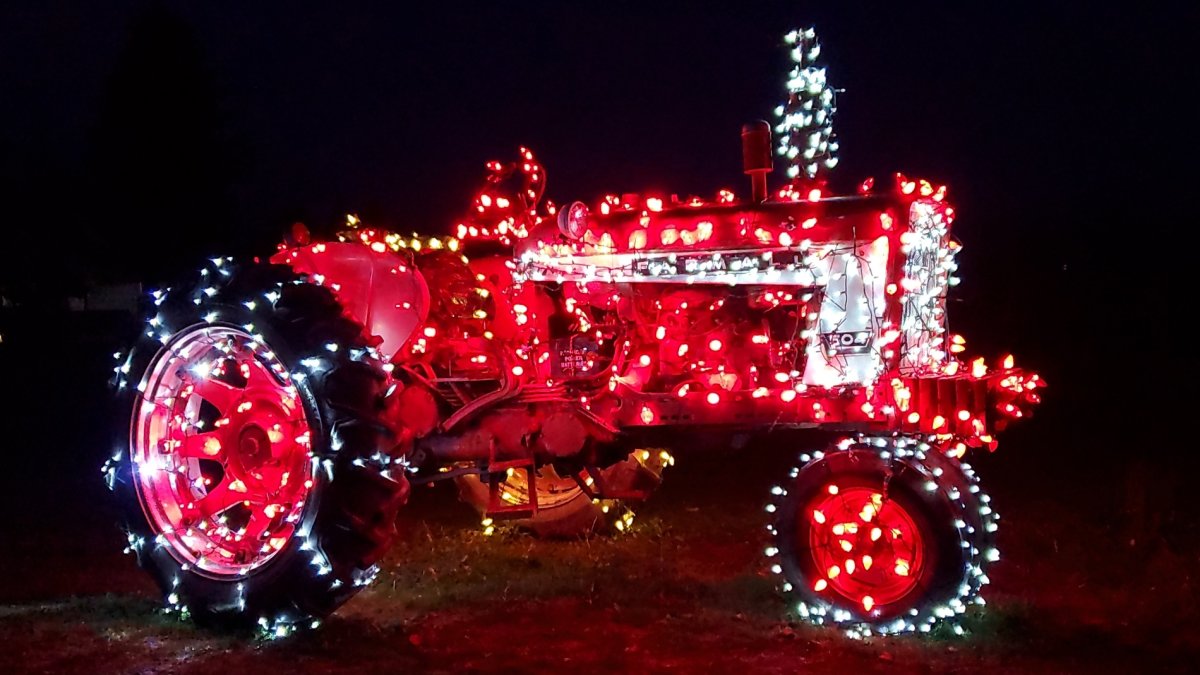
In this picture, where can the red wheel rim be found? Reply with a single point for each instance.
(221, 448)
(866, 547)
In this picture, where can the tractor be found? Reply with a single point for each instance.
(551, 361)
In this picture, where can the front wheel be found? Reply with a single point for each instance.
(253, 473)
(881, 535)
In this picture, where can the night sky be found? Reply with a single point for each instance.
(140, 136)
(391, 111)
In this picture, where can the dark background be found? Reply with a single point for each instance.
(138, 137)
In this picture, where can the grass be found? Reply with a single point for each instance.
(442, 567)
(685, 591)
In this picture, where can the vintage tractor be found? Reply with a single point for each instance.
(548, 360)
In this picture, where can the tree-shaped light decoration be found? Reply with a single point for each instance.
(805, 130)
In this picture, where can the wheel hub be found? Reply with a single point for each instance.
(865, 547)
(253, 446)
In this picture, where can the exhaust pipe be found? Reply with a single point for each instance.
(756, 157)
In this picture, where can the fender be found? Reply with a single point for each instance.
(382, 291)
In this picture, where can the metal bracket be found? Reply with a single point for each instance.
(497, 507)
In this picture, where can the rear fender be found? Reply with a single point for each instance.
(380, 290)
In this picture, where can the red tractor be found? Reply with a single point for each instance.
(549, 361)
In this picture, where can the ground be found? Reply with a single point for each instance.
(1079, 588)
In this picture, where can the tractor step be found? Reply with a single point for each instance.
(501, 509)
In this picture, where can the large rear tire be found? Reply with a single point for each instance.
(255, 479)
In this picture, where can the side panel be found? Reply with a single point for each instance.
(382, 291)
(845, 347)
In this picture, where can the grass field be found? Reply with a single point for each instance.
(685, 591)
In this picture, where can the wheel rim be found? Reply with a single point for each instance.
(222, 450)
(865, 546)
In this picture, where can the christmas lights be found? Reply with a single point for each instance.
(280, 410)
(806, 133)
(216, 473)
(880, 562)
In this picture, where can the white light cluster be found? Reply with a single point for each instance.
(727, 267)
(853, 303)
(806, 137)
(283, 626)
(928, 266)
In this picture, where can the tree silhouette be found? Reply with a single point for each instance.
(162, 164)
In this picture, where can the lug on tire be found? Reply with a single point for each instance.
(881, 535)
(255, 480)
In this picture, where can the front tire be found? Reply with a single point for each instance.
(255, 480)
(882, 535)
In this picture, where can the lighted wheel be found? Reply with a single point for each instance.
(564, 508)
(881, 535)
(255, 480)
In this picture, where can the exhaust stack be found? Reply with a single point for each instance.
(756, 157)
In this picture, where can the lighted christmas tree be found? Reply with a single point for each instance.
(805, 130)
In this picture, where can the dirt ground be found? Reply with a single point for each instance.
(685, 591)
